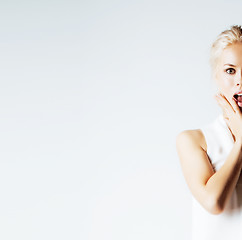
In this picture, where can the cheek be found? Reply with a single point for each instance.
(228, 82)
(224, 81)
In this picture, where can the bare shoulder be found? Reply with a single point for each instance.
(192, 137)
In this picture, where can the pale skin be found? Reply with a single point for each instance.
(213, 189)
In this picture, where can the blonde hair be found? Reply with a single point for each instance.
(223, 40)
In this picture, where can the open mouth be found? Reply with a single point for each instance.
(238, 99)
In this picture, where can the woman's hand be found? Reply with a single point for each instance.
(232, 115)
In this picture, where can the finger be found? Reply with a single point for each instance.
(225, 116)
(227, 121)
(235, 106)
(219, 101)
(225, 103)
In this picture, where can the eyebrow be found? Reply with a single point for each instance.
(230, 64)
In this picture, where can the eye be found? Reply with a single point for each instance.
(230, 71)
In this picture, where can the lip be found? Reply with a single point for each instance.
(239, 92)
(235, 98)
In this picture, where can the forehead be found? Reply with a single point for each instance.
(232, 54)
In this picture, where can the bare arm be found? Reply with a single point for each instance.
(221, 184)
(211, 189)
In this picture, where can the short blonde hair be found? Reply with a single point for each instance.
(223, 40)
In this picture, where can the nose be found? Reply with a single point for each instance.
(239, 78)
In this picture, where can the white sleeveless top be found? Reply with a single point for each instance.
(228, 224)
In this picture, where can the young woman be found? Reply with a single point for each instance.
(211, 157)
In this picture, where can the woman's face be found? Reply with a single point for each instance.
(229, 71)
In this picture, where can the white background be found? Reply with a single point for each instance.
(92, 96)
